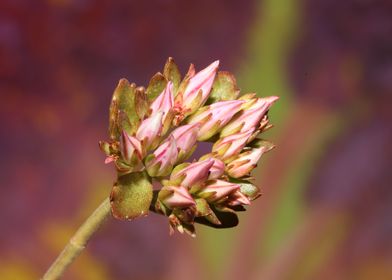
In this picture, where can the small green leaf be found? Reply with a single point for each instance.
(156, 86)
(172, 73)
(131, 196)
(247, 188)
(223, 88)
(122, 111)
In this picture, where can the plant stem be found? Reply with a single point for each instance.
(78, 242)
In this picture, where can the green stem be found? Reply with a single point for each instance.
(78, 242)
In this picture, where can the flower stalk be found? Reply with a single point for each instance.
(78, 242)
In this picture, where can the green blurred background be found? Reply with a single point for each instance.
(326, 207)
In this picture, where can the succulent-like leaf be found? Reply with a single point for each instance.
(131, 196)
(122, 111)
(223, 88)
(156, 86)
(172, 73)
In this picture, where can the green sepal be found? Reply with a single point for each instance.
(182, 155)
(131, 196)
(185, 81)
(227, 219)
(247, 188)
(105, 147)
(258, 143)
(185, 215)
(122, 111)
(203, 209)
(223, 88)
(211, 132)
(157, 84)
(152, 169)
(172, 73)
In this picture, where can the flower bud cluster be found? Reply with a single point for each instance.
(162, 131)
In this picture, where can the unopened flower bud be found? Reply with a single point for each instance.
(131, 149)
(193, 174)
(216, 190)
(250, 117)
(175, 197)
(186, 136)
(161, 162)
(150, 131)
(198, 89)
(217, 169)
(228, 147)
(244, 163)
(237, 198)
(213, 117)
(164, 103)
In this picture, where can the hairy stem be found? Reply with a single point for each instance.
(78, 242)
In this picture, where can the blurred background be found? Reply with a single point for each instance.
(326, 207)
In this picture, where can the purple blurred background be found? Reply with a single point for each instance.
(326, 207)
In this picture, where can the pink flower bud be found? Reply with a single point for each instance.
(237, 198)
(213, 117)
(216, 190)
(228, 147)
(186, 136)
(217, 169)
(161, 162)
(245, 162)
(250, 117)
(176, 197)
(150, 130)
(193, 174)
(130, 147)
(198, 88)
(164, 103)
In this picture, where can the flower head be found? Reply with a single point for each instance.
(154, 130)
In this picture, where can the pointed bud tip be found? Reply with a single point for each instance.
(272, 99)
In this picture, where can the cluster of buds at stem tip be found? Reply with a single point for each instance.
(154, 131)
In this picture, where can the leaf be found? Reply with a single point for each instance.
(156, 86)
(131, 196)
(122, 111)
(223, 88)
(172, 73)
